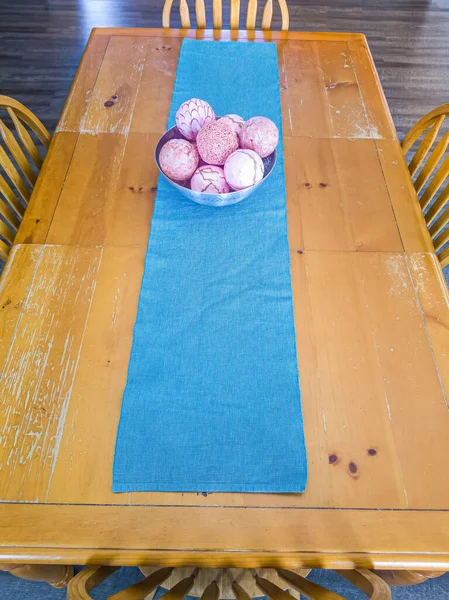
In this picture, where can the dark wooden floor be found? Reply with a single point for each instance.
(41, 42)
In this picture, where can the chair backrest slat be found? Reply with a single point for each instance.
(217, 14)
(235, 14)
(368, 582)
(184, 13)
(425, 146)
(267, 15)
(200, 14)
(438, 205)
(429, 169)
(440, 223)
(308, 588)
(442, 220)
(144, 587)
(433, 187)
(444, 258)
(8, 215)
(18, 154)
(251, 15)
(14, 175)
(10, 196)
(26, 140)
(6, 232)
(431, 163)
(4, 249)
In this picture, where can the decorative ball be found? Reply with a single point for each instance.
(192, 115)
(216, 141)
(261, 135)
(179, 159)
(243, 169)
(234, 121)
(209, 179)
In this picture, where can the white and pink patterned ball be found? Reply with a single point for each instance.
(261, 135)
(192, 115)
(235, 121)
(179, 159)
(216, 141)
(209, 179)
(243, 169)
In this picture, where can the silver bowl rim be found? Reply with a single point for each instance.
(226, 199)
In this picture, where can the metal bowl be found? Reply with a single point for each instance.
(212, 199)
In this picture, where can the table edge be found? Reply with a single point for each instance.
(210, 559)
(238, 34)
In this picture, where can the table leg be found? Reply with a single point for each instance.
(57, 576)
(403, 578)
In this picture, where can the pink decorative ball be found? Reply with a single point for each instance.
(179, 159)
(261, 135)
(243, 169)
(216, 141)
(209, 179)
(234, 121)
(192, 115)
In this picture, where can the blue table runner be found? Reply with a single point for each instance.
(212, 400)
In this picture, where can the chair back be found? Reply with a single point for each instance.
(217, 14)
(429, 169)
(20, 162)
(367, 582)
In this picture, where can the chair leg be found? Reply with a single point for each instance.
(58, 576)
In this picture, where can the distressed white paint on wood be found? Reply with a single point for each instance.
(320, 92)
(77, 102)
(40, 368)
(114, 95)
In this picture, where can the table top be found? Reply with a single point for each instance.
(371, 313)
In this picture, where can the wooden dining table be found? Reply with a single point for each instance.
(371, 315)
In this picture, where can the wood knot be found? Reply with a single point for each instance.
(333, 459)
(38, 221)
(109, 103)
(300, 251)
(6, 303)
(352, 467)
(372, 452)
(114, 97)
(153, 189)
(323, 185)
(308, 185)
(131, 188)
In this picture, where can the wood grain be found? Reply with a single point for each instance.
(370, 315)
(344, 201)
(175, 533)
(40, 367)
(434, 300)
(39, 214)
(109, 192)
(156, 86)
(73, 113)
(323, 97)
(409, 218)
(111, 103)
(101, 374)
(13, 293)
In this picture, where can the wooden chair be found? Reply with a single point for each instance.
(20, 162)
(366, 581)
(434, 173)
(217, 14)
